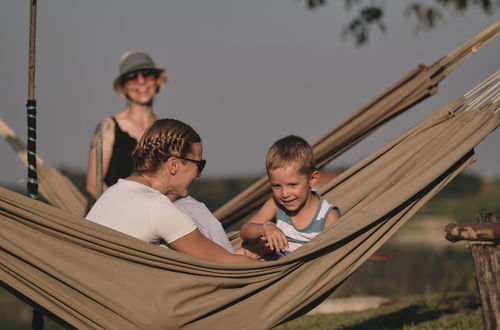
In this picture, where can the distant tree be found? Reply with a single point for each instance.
(425, 14)
(463, 184)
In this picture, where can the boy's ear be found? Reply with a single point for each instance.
(314, 178)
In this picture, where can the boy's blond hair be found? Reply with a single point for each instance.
(289, 151)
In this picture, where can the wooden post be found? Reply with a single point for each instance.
(484, 239)
(487, 267)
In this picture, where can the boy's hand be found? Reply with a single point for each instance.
(276, 239)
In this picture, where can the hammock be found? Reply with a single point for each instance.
(75, 269)
(416, 86)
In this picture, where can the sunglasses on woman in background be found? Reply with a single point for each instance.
(147, 74)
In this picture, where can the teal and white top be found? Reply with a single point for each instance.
(298, 237)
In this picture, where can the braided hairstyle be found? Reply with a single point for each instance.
(165, 138)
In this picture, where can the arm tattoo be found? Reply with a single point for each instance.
(101, 128)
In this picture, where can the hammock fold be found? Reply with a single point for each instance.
(414, 87)
(94, 277)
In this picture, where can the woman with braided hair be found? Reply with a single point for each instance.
(167, 159)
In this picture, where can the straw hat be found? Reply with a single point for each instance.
(133, 61)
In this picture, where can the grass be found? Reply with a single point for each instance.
(440, 311)
(459, 310)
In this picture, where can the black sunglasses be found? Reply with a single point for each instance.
(147, 74)
(199, 163)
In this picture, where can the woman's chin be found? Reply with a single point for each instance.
(143, 100)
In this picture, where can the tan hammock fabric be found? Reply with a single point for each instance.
(93, 277)
(54, 186)
(417, 85)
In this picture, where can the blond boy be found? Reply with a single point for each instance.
(295, 213)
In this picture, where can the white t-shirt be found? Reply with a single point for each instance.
(207, 223)
(142, 212)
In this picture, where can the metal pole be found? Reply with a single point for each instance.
(32, 185)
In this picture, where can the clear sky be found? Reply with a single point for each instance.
(242, 73)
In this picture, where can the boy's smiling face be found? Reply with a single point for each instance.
(291, 187)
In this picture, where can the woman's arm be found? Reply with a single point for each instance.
(197, 245)
(106, 128)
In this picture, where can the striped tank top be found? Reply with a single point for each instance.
(298, 237)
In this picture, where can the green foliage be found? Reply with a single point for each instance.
(463, 185)
(423, 15)
(464, 198)
(215, 192)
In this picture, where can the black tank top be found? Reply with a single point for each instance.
(121, 164)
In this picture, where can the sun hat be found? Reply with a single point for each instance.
(134, 61)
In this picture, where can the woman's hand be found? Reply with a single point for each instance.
(245, 252)
(276, 239)
(197, 245)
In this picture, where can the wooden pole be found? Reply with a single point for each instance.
(31, 59)
(484, 240)
(473, 232)
(487, 267)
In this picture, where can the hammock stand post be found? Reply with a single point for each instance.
(484, 239)
(31, 107)
(32, 184)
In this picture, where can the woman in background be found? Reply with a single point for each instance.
(138, 82)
